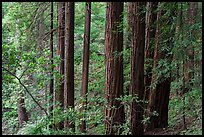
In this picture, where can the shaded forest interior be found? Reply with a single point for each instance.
(102, 68)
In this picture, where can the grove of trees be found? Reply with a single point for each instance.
(92, 68)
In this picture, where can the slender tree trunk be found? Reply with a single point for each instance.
(85, 68)
(152, 95)
(114, 111)
(149, 39)
(59, 93)
(150, 30)
(137, 67)
(69, 61)
(51, 58)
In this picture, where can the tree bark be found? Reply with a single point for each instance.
(149, 40)
(137, 67)
(152, 95)
(59, 93)
(85, 67)
(52, 63)
(69, 62)
(114, 110)
(159, 93)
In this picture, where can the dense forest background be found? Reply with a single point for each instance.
(95, 68)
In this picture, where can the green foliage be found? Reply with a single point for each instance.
(9, 122)
(126, 101)
(193, 116)
(21, 54)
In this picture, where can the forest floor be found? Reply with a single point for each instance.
(193, 121)
(193, 124)
(178, 129)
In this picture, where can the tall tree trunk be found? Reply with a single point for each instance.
(59, 93)
(51, 58)
(152, 95)
(150, 30)
(149, 39)
(85, 71)
(159, 93)
(137, 67)
(114, 111)
(69, 61)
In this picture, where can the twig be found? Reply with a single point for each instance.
(26, 90)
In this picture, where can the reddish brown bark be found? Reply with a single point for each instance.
(114, 111)
(59, 93)
(85, 71)
(149, 40)
(137, 67)
(152, 94)
(69, 62)
(159, 93)
(51, 58)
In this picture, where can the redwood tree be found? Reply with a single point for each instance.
(59, 92)
(51, 58)
(149, 43)
(85, 68)
(160, 82)
(69, 61)
(114, 111)
(137, 66)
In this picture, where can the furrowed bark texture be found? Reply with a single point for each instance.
(85, 68)
(160, 91)
(69, 61)
(51, 59)
(59, 92)
(137, 67)
(114, 111)
(150, 30)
